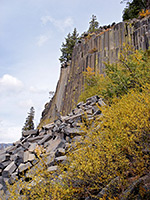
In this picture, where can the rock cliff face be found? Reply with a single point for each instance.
(93, 50)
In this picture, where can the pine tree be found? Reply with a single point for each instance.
(134, 7)
(67, 47)
(93, 24)
(29, 124)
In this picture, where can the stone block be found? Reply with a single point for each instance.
(11, 149)
(45, 139)
(18, 150)
(71, 131)
(60, 159)
(26, 145)
(28, 156)
(23, 167)
(48, 126)
(4, 157)
(13, 178)
(54, 144)
(30, 132)
(9, 169)
(32, 147)
(52, 168)
(4, 164)
(35, 139)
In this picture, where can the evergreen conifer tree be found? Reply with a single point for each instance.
(67, 47)
(134, 7)
(29, 124)
(93, 24)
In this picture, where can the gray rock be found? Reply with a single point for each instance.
(50, 159)
(4, 164)
(23, 167)
(52, 168)
(71, 131)
(48, 126)
(18, 150)
(28, 156)
(54, 144)
(56, 129)
(9, 169)
(60, 159)
(45, 139)
(74, 118)
(77, 111)
(26, 145)
(30, 132)
(11, 149)
(4, 157)
(35, 139)
(32, 147)
(13, 178)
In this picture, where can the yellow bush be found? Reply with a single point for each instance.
(131, 71)
(144, 13)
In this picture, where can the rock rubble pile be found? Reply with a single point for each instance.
(55, 138)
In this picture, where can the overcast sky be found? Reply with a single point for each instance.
(31, 34)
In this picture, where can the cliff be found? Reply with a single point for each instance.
(93, 50)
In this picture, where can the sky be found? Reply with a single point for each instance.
(31, 34)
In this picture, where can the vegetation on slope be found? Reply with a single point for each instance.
(113, 146)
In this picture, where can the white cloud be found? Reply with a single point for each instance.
(9, 132)
(60, 24)
(10, 84)
(42, 39)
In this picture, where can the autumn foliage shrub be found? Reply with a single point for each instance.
(131, 71)
(114, 144)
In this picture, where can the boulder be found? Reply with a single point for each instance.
(4, 164)
(35, 139)
(52, 168)
(30, 132)
(32, 147)
(60, 159)
(54, 144)
(9, 169)
(45, 139)
(4, 157)
(28, 156)
(23, 167)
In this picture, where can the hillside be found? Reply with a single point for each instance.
(98, 147)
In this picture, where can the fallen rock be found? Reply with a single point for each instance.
(9, 169)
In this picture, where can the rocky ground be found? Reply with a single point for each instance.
(55, 138)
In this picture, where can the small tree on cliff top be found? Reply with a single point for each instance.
(67, 47)
(93, 24)
(29, 124)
